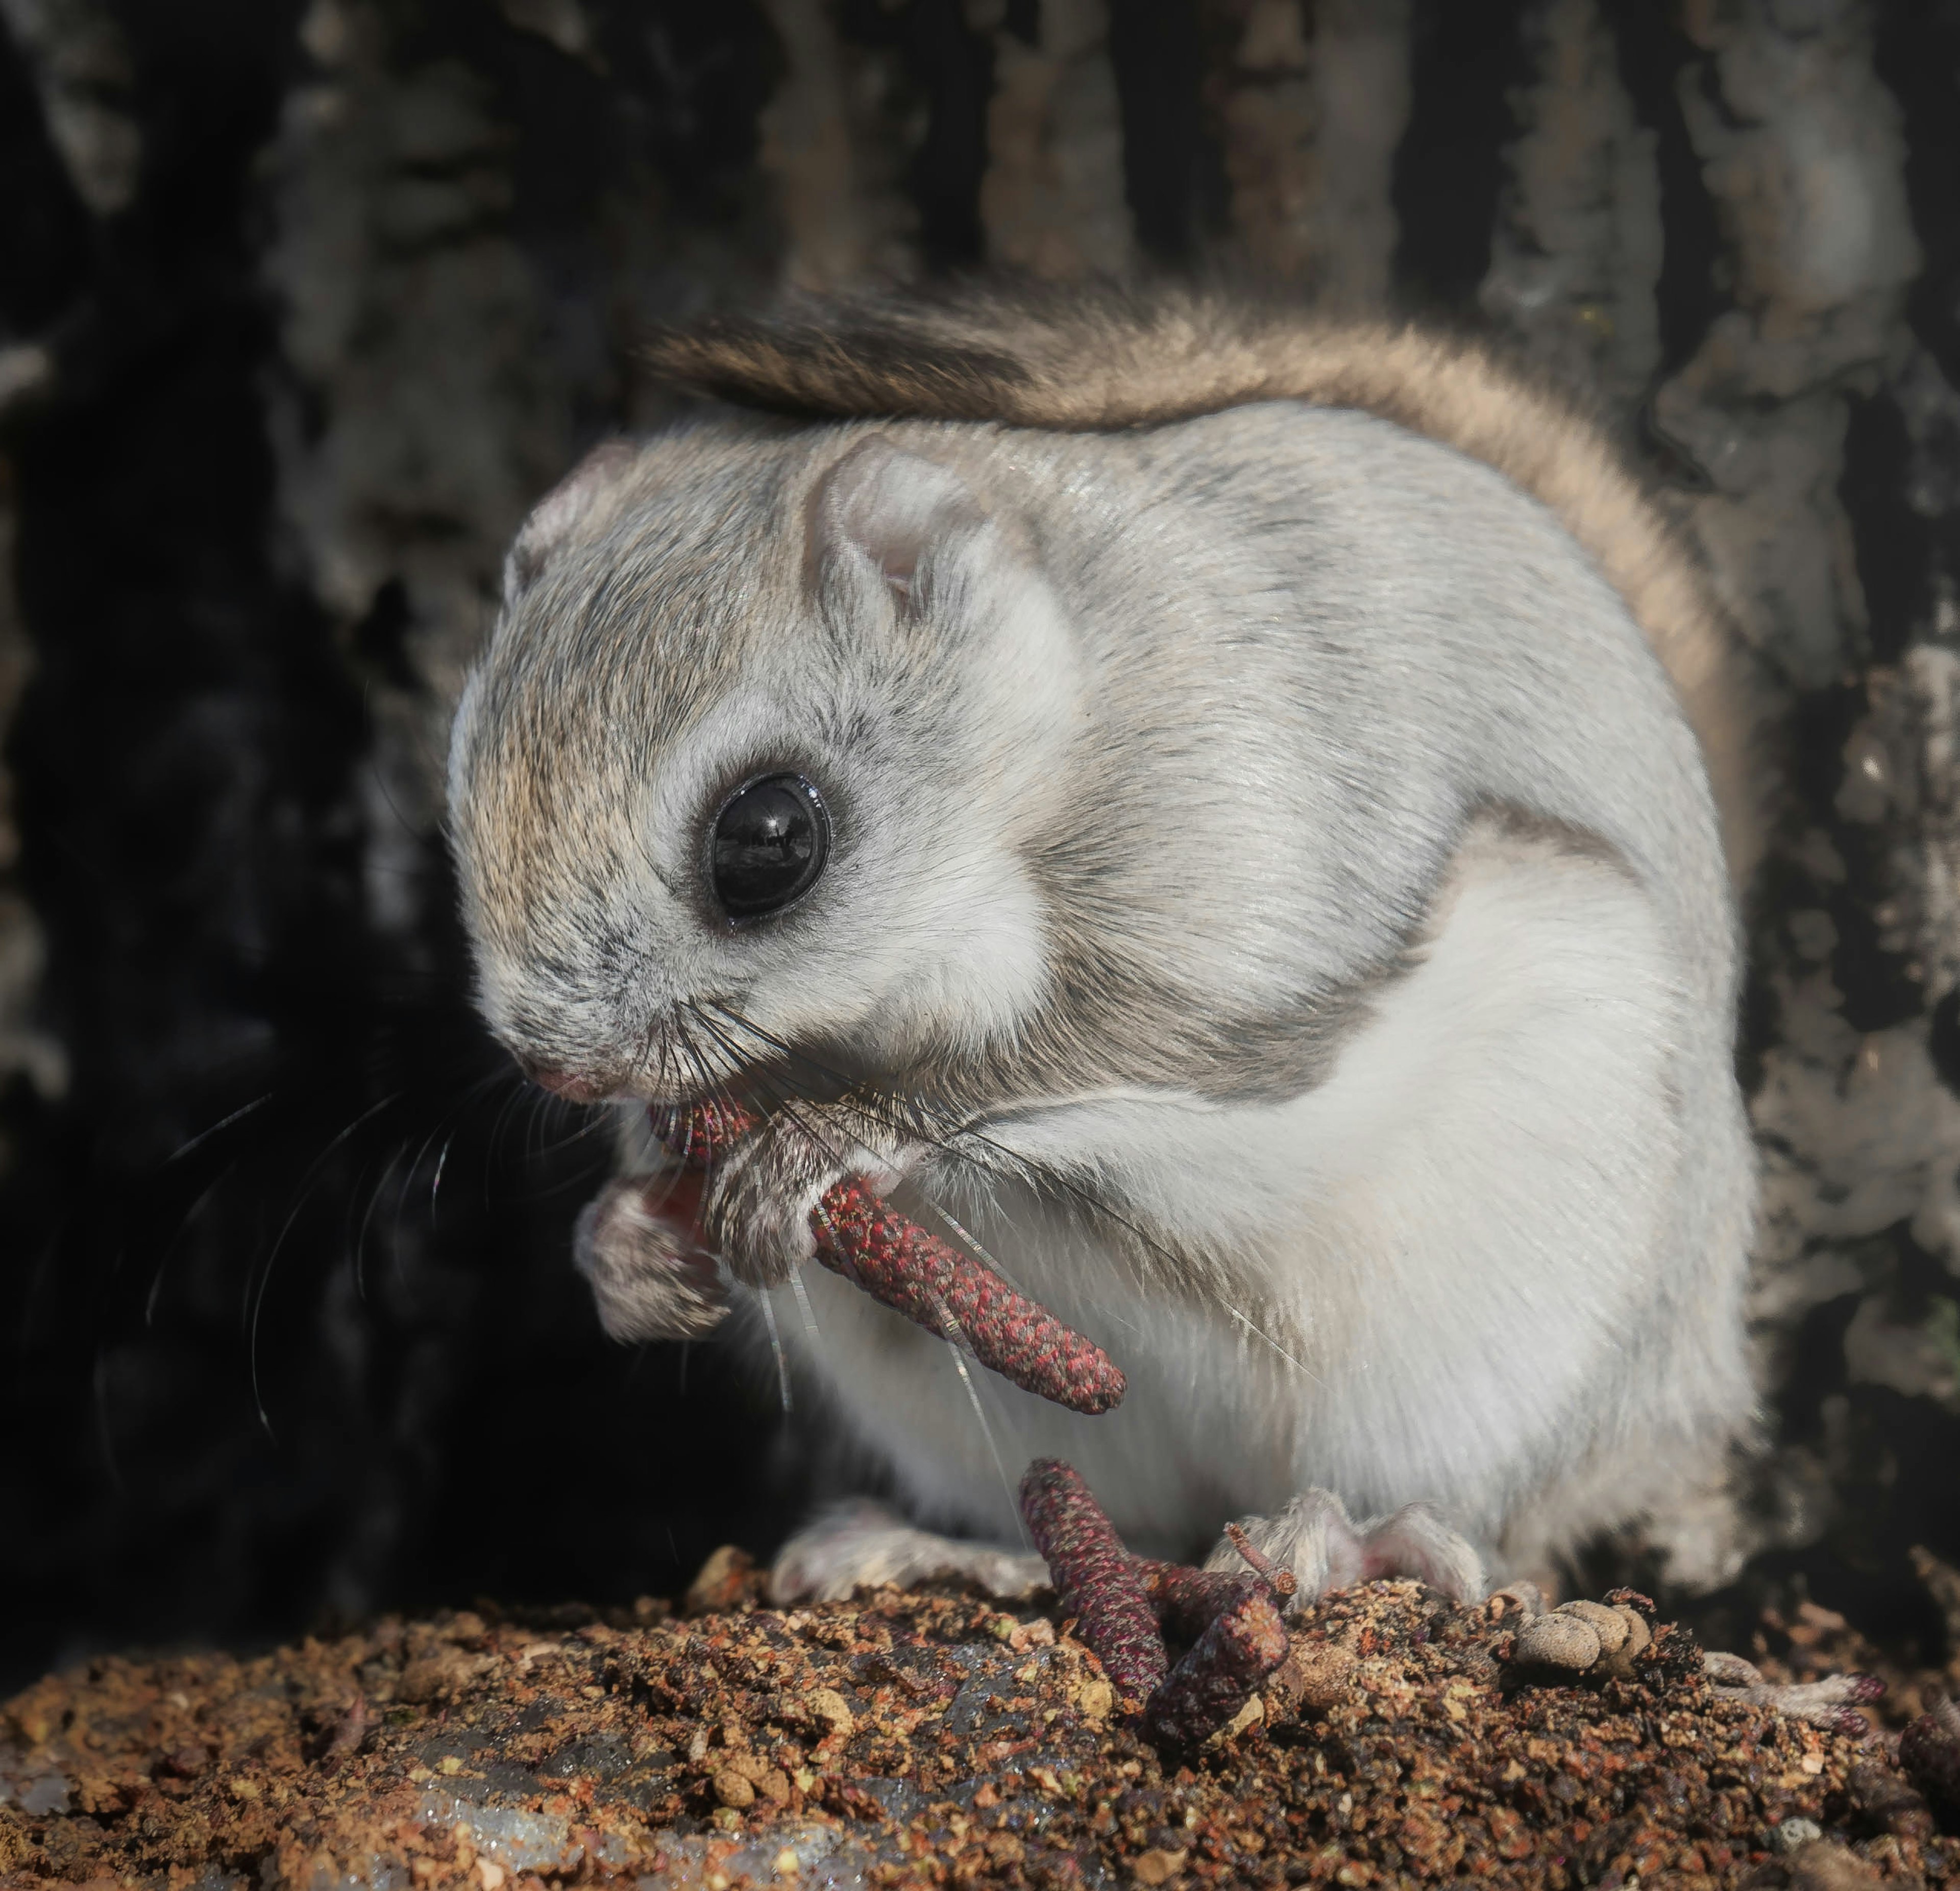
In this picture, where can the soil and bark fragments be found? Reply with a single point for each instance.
(929, 1738)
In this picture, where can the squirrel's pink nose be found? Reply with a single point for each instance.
(563, 1082)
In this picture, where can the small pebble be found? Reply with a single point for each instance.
(722, 1583)
(1558, 1640)
(1785, 1836)
(828, 1706)
(732, 1790)
(1315, 1677)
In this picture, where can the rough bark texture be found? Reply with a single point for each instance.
(305, 303)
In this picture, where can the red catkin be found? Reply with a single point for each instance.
(1223, 1670)
(896, 1261)
(698, 1133)
(1187, 1601)
(1929, 1750)
(1119, 1600)
(1096, 1578)
(1280, 1582)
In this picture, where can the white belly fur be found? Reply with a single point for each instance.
(1445, 1248)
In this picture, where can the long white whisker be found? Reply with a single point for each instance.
(776, 1347)
(359, 1254)
(1259, 1332)
(957, 1342)
(959, 1347)
(969, 1241)
(1044, 1171)
(204, 1195)
(804, 1306)
(256, 1305)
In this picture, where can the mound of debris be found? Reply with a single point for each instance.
(935, 1737)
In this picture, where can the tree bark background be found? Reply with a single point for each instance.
(301, 305)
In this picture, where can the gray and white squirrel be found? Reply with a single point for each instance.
(1237, 813)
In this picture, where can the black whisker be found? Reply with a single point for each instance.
(256, 1297)
(358, 1245)
(224, 1123)
(184, 1220)
(435, 1184)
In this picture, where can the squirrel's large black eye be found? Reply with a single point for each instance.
(769, 842)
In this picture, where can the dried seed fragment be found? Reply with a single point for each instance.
(1639, 1636)
(1786, 1834)
(727, 1580)
(1315, 1677)
(349, 1731)
(828, 1707)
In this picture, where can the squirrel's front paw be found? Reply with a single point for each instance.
(755, 1212)
(1315, 1538)
(651, 1277)
(861, 1544)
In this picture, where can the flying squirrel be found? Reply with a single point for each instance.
(1238, 816)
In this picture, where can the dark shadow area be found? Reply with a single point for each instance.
(290, 1328)
(1466, 55)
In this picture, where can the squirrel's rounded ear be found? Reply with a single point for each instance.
(880, 503)
(557, 516)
